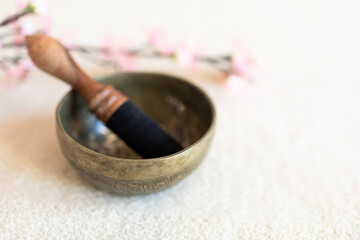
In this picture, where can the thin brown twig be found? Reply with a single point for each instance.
(15, 17)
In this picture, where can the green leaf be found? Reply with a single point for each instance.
(30, 8)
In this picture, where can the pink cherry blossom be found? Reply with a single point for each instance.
(235, 84)
(242, 62)
(127, 62)
(22, 5)
(18, 39)
(124, 58)
(0, 51)
(108, 47)
(44, 23)
(187, 53)
(10, 84)
(20, 71)
(21, 28)
(26, 65)
(41, 6)
(112, 50)
(157, 39)
(27, 26)
(12, 74)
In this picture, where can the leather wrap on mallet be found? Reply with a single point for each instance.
(112, 107)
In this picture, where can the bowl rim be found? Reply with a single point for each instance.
(143, 160)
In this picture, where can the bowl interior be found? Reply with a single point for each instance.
(180, 108)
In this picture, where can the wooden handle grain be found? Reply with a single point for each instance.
(50, 56)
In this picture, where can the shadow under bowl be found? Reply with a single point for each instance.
(104, 160)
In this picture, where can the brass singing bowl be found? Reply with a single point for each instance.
(105, 161)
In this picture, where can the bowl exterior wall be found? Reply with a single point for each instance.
(132, 177)
(135, 176)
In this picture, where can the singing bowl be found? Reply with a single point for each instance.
(104, 160)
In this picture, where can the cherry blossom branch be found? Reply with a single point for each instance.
(239, 67)
(222, 63)
(15, 17)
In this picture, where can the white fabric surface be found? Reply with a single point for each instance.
(285, 161)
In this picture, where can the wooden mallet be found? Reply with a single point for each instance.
(119, 114)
